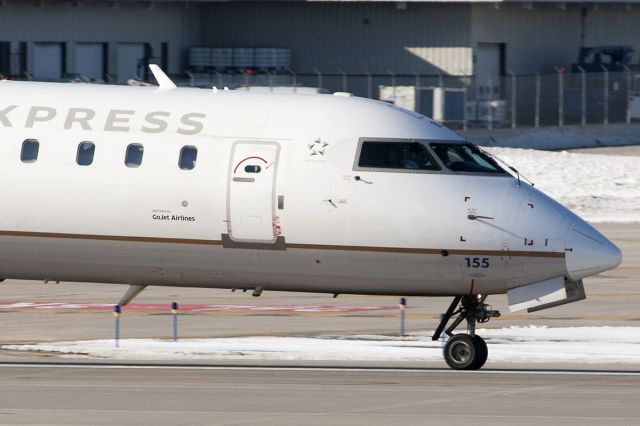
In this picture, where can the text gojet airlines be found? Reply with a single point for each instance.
(311, 193)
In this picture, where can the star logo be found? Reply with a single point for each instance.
(317, 147)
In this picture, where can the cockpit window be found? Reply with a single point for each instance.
(396, 155)
(465, 158)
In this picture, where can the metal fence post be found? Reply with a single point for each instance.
(628, 79)
(369, 87)
(344, 80)
(174, 313)
(319, 74)
(117, 310)
(465, 97)
(294, 80)
(443, 97)
(606, 94)
(269, 77)
(513, 99)
(220, 80)
(560, 97)
(393, 84)
(583, 96)
(489, 106)
(403, 306)
(417, 93)
(537, 102)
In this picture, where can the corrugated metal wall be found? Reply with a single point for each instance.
(377, 37)
(354, 37)
(613, 24)
(548, 36)
(23, 21)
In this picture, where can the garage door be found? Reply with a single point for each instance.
(47, 61)
(487, 70)
(5, 58)
(130, 55)
(90, 60)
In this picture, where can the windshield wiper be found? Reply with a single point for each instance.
(513, 169)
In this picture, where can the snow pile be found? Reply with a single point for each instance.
(513, 345)
(599, 188)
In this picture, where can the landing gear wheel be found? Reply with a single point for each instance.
(461, 352)
(464, 352)
(483, 352)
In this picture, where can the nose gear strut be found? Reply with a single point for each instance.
(465, 351)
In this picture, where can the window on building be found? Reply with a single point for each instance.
(133, 157)
(86, 150)
(396, 155)
(188, 156)
(29, 152)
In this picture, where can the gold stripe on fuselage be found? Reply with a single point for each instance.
(370, 249)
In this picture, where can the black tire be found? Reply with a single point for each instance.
(483, 352)
(462, 352)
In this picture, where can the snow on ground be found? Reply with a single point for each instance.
(599, 188)
(591, 345)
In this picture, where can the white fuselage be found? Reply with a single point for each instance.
(276, 199)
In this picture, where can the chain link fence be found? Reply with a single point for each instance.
(510, 101)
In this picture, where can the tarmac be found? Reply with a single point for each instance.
(70, 395)
(610, 150)
(40, 388)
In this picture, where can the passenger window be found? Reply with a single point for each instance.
(396, 155)
(84, 157)
(133, 157)
(188, 156)
(29, 152)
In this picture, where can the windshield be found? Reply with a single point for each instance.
(396, 155)
(466, 158)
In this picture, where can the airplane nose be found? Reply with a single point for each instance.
(588, 252)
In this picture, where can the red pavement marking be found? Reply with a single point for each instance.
(191, 307)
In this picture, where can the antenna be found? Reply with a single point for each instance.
(163, 79)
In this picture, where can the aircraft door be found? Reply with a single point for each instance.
(251, 196)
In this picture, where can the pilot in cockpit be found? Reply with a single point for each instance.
(418, 159)
(392, 158)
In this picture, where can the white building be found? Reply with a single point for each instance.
(112, 40)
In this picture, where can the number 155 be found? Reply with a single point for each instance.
(477, 262)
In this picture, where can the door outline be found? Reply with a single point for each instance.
(228, 239)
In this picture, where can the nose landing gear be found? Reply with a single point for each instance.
(465, 351)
